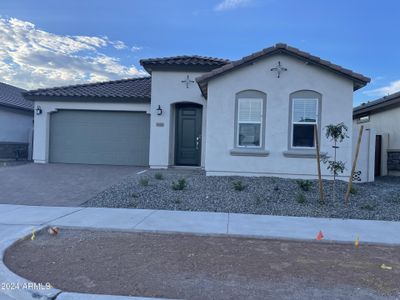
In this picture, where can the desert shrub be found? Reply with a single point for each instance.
(179, 185)
(158, 176)
(305, 185)
(239, 186)
(300, 197)
(368, 207)
(144, 181)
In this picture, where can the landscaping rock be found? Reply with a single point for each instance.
(379, 200)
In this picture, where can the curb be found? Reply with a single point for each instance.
(21, 288)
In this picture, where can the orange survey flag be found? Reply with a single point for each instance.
(320, 236)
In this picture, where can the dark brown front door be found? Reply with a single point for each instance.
(188, 134)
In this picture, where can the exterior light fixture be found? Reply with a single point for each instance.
(159, 110)
(38, 110)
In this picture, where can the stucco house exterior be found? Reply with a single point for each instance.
(382, 118)
(16, 123)
(254, 116)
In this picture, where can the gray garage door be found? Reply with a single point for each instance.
(99, 137)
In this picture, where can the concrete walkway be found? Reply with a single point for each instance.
(17, 221)
(381, 232)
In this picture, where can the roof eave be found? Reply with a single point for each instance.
(359, 80)
(88, 99)
(16, 107)
(378, 107)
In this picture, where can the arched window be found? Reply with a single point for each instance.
(250, 119)
(305, 108)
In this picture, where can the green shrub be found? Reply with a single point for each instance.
(300, 198)
(239, 186)
(144, 181)
(353, 190)
(159, 176)
(179, 185)
(305, 185)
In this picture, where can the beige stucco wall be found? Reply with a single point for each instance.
(387, 124)
(337, 99)
(166, 90)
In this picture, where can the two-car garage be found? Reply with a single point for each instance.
(99, 137)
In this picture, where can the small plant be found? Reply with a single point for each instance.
(336, 133)
(368, 207)
(158, 176)
(353, 190)
(179, 185)
(300, 198)
(305, 185)
(134, 195)
(177, 201)
(239, 186)
(144, 181)
(276, 188)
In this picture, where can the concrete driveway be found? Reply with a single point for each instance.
(58, 184)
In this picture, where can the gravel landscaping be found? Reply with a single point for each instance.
(159, 189)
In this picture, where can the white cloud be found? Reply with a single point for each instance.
(119, 45)
(32, 58)
(393, 87)
(136, 48)
(231, 4)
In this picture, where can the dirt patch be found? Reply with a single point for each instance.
(200, 267)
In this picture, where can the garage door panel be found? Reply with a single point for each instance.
(96, 137)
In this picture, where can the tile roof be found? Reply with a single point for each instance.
(183, 61)
(134, 89)
(377, 105)
(358, 79)
(11, 96)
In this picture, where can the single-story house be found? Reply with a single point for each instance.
(382, 117)
(252, 116)
(16, 123)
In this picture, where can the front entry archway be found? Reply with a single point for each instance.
(188, 134)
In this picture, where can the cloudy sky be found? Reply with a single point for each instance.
(46, 43)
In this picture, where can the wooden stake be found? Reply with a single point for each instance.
(321, 189)
(353, 168)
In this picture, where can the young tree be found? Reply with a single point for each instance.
(335, 133)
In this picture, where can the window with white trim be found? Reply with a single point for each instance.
(303, 120)
(249, 122)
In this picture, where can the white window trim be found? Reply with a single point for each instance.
(292, 123)
(250, 122)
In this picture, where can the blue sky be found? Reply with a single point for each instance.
(48, 43)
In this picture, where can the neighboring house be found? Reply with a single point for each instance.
(382, 117)
(253, 116)
(16, 123)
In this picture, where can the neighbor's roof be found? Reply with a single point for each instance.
(126, 90)
(358, 79)
(11, 96)
(183, 62)
(380, 104)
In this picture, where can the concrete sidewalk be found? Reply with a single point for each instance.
(339, 230)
